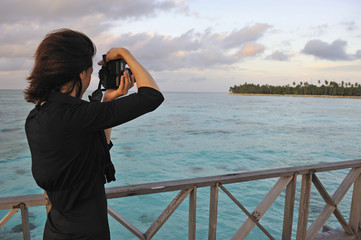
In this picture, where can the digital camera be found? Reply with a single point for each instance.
(111, 72)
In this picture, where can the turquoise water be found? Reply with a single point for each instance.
(200, 134)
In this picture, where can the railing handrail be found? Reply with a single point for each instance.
(174, 185)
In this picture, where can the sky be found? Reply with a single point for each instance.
(196, 45)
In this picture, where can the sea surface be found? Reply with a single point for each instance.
(200, 134)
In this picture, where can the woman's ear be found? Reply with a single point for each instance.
(86, 73)
(82, 75)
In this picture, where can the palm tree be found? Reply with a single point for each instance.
(342, 85)
(305, 84)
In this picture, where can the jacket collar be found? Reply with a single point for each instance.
(63, 98)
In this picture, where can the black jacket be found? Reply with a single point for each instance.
(70, 155)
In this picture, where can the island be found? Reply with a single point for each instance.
(325, 88)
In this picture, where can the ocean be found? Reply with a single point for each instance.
(200, 134)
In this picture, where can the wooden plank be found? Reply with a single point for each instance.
(213, 208)
(355, 212)
(175, 185)
(25, 221)
(260, 210)
(304, 206)
(8, 216)
(336, 197)
(192, 214)
(346, 184)
(289, 208)
(122, 220)
(246, 212)
(343, 221)
(29, 200)
(158, 223)
(320, 221)
(321, 189)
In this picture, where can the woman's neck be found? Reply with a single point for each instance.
(67, 87)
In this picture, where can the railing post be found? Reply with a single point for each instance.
(336, 198)
(158, 223)
(25, 221)
(246, 212)
(262, 207)
(304, 206)
(289, 208)
(355, 213)
(192, 214)
(213, 213)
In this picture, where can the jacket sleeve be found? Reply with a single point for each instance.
(102, 115)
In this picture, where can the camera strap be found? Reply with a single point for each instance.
(97, 95)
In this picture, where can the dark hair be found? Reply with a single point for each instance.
(59, 59)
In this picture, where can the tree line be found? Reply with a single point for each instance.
(302, 88)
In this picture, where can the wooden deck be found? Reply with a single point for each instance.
(187, 188)
(334, 234)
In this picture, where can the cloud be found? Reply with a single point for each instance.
(251, 49)
(15, 64)
(320, 29)
(342, 68)
(358, 54)
(198, 79)
(24, 23)
(13, 79)
(40, 10)
(278, 56)
(246, 34)
(323, 50)
(194, 49)
(350, 26)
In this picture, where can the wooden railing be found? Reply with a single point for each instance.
(287, 178)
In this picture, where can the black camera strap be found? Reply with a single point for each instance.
(97, 95)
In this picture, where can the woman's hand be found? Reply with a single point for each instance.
(126, 83)
(115, 53)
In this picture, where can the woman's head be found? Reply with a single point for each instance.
(59, 60)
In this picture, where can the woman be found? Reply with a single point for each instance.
(68, 144)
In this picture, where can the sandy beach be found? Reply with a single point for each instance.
(295, 95)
